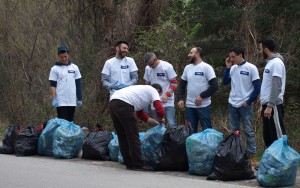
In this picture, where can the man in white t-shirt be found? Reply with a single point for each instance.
(65, 85)
(119, 71)
(245, 87)
(161, 72)
(124, 106)
(199, 80)
(271, 94)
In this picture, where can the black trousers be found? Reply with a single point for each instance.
(66, 112)
(125, 123)
(269, 124)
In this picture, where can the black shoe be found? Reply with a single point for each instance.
(135, 168)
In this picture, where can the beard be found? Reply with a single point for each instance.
(122, 54)
(192, 60)
(265, 55)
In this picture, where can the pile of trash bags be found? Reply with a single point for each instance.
(205, 153)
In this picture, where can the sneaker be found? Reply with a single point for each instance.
(254, 162)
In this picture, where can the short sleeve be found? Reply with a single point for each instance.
(77, 73)
(146, 74)
(53, 75)
(184, 74)
(171, 72)
(278, 69)
(210, 73)
(133, 66)
(106, 68)
(255, 74)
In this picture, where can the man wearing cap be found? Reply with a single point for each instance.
(162, 73)
(65, 85)
(199, 80)
(119, 71)
(124, 106)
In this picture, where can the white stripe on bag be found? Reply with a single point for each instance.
(276, 122)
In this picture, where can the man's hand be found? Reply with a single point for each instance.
(79, 103)
(113, 86)
(54, 103)
(246, 105)
(162, 121)
(181, 104)
(152, 121)
(268, 112)
(198, 101)
(164, 98)
(228, 63)
(121, 86)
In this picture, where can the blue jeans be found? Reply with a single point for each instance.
(170, 116)
(194, 115)
(236, 115)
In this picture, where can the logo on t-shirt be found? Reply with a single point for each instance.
(124, 66)
(160, 74)
(199, 73)
(244, 73)
(71, 71)
(267, 71)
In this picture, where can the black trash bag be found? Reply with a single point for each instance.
(231, 161)
(95, 145)
(27, 141)
(172, 154)
(8, 143)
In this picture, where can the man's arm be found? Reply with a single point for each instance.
(172, 88)
(226, 78)
(78, 89)
(105, 81)
(213, 87)
(275, 90)
(181, 89)
(53, 89)
(255, 92)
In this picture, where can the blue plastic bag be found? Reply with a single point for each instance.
(151, 143)
(45, 142)
(201, 149)
(67, 141)
(279, 165)
(113, 148)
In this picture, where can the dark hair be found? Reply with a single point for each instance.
(268, 43)
(200, 51)
(158, 87)
(238, 51)
(121, 42)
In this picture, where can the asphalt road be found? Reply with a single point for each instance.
(44, 172)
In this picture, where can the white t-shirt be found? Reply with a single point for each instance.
(242, 77)
(161, 74)
(139, 96)
(65, 76)
(274, 67)
(119, 70)
(197, 77)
